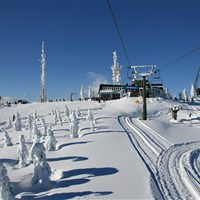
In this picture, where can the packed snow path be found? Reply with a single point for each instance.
(175, 168)
(178, 171)
(147, 142)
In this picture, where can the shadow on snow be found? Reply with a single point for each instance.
(102, 132)
(74, 158)
(69, 195)
(90, 172)
(63, 183)
(72, 143)
(9, 161)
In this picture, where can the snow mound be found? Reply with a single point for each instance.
(165, 113)
(56, 175)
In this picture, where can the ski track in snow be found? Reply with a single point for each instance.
(174, 168)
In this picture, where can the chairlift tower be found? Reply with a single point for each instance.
(71, 95)
(143, 71)
(43, 97)
(197, 89)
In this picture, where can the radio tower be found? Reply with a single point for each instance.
(116, 70)
(43, 97)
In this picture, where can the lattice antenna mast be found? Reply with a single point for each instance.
(43, 97)
(116, 70)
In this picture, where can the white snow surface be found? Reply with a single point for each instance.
(123, 157)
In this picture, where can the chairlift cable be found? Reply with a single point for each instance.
(179, 58)
(118, 31)
(125, 51)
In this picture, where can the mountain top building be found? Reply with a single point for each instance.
(117, 90)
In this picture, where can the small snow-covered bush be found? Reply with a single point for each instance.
(74, 128)
(37, 152)
(59, 119)
(17, 125)
(42, 173)
(50, 142)
(66, 111)
(9, 123)
(44, 127)
(42, 170)
(29, 122)
(90, 117)
(6, 138)
(22, 152)
(35, 133)
(6, 192)
(78, 112)
(185, 95)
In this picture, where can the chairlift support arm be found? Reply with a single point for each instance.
(137, 70)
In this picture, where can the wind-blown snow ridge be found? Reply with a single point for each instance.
(175, 167)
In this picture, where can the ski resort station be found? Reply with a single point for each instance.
(56, 148)
(140, 77)
(135, 88)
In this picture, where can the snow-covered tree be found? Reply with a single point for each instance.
(59, 119)
(6, 191)
(22, 152)
(78, 112)
(93, 92)
(90, 93)
(167, 93)
(82, 96)
(73, 116)
(42, 173)
(185, 95)
(52, 111)
(174, 97)
(180, 95)
(6, 138)
(192, 92)
(66, 111)
(90, 117)
(74, 127)
(55, 117)
(42, 170)
(8, 124)
(35, 133)
(92, 128)
(37, 152)
(44, 127)
(35, 116)
(29, 122)
(18, 115)
(50, 142)
(17, 125)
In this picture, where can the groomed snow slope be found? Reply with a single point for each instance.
(121, 159)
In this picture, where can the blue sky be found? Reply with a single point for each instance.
(80, 37)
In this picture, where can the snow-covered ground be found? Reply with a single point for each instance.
(123, 157)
